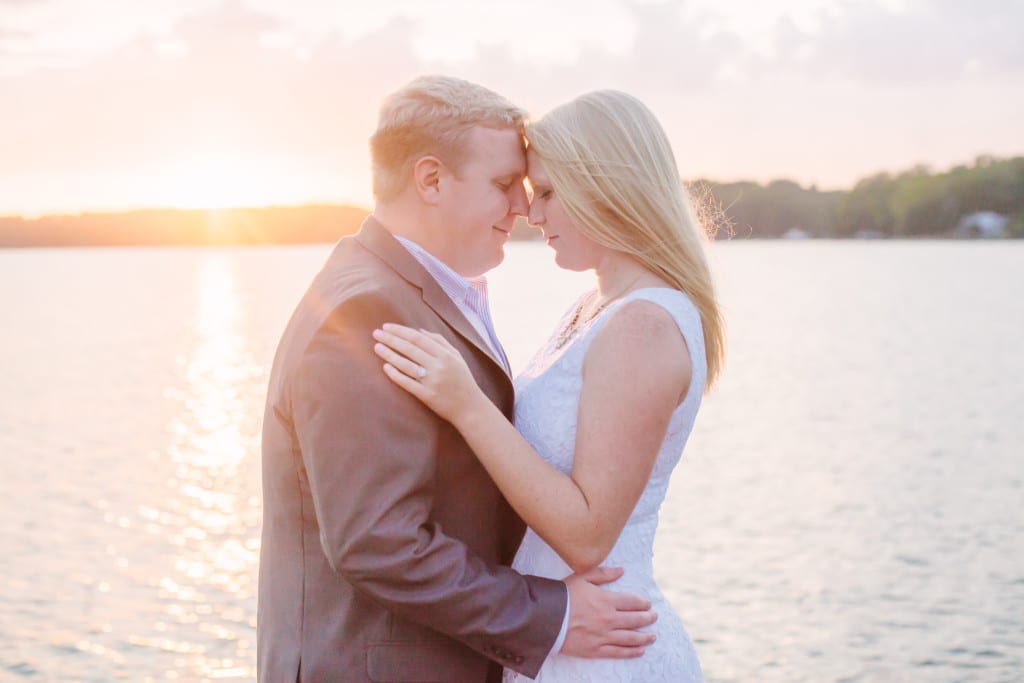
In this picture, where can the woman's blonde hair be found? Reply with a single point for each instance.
(611, 165)
(432, 115)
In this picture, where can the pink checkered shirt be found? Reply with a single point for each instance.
(469, 295)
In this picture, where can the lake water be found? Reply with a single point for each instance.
(850, 506)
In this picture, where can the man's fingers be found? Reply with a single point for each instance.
(630, 638)
(634, 620)
(615, 652)
(627, 602)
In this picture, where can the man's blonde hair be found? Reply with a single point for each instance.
(432, 115)
(612, 167)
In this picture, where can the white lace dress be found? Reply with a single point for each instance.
(547, 400)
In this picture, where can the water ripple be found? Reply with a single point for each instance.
(845, 511)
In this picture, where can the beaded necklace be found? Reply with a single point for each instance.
(573, 326)
(570, 330)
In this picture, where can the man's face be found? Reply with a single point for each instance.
(481, 201)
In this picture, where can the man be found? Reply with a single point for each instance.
(385, 544)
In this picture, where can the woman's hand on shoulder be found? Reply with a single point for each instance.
(427, 366)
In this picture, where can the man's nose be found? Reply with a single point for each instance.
(536, 215)
(519, 204)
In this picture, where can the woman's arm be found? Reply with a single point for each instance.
(634, 375)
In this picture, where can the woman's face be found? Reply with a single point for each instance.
(573, 250)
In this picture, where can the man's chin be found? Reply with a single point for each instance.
(483, 266)
(498, 258)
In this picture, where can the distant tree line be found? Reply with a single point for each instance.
(911, 204)
(272, 225)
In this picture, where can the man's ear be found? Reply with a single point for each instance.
(427, 175)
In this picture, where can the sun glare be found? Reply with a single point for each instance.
(218, 182)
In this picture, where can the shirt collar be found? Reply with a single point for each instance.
(454, 285)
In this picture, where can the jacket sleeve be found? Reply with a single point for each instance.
(370, 451)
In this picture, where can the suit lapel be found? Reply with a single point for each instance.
(377, 239)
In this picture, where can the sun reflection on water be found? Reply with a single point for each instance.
(211, 516)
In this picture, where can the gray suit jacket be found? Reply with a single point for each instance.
(385, 543)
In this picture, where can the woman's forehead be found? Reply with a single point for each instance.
(535, 167)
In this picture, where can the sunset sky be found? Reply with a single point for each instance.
(116, 104)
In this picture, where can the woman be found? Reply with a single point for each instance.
(603, 411)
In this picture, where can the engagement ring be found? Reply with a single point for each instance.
(422, 372)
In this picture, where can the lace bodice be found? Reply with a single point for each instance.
(547, 403)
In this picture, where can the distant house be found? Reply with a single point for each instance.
(869, 235)
(982, 224)
(796, 234)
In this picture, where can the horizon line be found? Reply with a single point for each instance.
(810, 186)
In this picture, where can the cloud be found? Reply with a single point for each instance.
(668, 53)
(923, 42)
(144, 111)
(230, 87)
(236, 83)
(10, 34)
